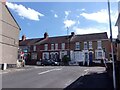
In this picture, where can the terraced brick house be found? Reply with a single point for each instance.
(81, 48)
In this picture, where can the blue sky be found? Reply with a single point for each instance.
(35, 18)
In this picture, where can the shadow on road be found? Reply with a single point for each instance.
(92, 81)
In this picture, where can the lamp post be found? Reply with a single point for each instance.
(68, 42)
(113, 61)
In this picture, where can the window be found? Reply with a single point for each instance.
(77, 46)
(85, 45)
(45, 55)
(99, 54)
(34, 56)
(34, 48)
(52, 46)
(90, 45)
(63, 46)
(56, 46)
(99, 44)
(46, 47)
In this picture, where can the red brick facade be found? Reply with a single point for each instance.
(70, 46)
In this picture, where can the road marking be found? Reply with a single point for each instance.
(86, 70)
(49, 71)
(68, 83)
(43, 67)
(3, 72)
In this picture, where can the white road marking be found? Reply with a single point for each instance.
(3, 72)
(86, 70)
(49, 71)
(68, 83)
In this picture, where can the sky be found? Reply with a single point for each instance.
(35, 18)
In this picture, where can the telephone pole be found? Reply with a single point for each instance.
(113, 61)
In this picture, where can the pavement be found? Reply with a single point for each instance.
(56, 77)
(92, 81)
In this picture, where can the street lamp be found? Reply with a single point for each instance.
(113, 61)
(68, 42)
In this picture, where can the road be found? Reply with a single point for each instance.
(45, 76)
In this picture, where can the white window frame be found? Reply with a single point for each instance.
(97, 56)
(47, 55)
(77, 46)
(85, 45)
(99, 44)
(34, 56)
(46, 47)
(56, 46)
(34, 48)
(52, 46)
(63, 46)
(90, 45)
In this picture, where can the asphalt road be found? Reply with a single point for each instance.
(45, 76)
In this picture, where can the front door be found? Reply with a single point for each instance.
(90, 57)
(86, 57)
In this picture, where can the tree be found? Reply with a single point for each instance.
(65, 59)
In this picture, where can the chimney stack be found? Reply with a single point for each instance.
(45, 35)
(23, 38)
(72, 34)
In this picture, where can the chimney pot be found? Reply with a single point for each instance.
(72, 33)
(45, 35)
(23, 38)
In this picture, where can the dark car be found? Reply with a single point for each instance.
(49, 62)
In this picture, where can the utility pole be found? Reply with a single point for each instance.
(68, 42)
(113, 61)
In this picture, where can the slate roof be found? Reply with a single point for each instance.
(89, 37)
(28, 42)
(64, 39)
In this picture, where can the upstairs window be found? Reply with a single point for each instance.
(46, 47)
(77, 46)
(52, 46)
(34, 48)
(85, 45)
(90, 45)
(63, 46)
(99, 44)
(56, 46)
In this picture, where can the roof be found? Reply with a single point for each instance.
(28, 42)
(64, 39)
(59, 39)
(90, 37)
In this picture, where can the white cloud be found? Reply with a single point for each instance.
(69, 23)
(96, 30)
(24, 12)
(83, 9)
(78, 22)
(67, 14)
(55, 15)
(100, 16)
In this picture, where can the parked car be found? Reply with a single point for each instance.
(49, 62)
(38, 62)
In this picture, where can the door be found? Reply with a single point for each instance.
(90, 57)
(86, 57)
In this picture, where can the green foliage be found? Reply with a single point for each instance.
(65, 59)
